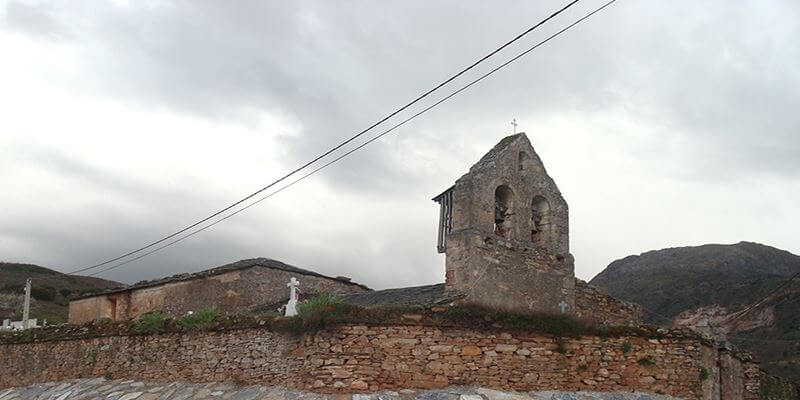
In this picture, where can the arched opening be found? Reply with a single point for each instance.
(523, 160)
(540, 220)
(503, 210)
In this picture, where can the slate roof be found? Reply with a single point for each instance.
(235, 266)
(418, 295)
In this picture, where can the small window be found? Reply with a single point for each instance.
(540, 220)
(503, 211)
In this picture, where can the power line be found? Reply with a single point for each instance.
(755, 304)
(374, 138)
(335, 148)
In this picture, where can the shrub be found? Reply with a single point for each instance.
(202, 319)
(318, 302)
(45, 293)
(151, 322)
(65, 292)
(703, 374)
(626, 346)
(326, 309)
(645, 361)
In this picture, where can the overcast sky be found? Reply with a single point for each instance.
(664, 123)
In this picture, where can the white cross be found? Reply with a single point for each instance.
(563, 305)
(514, 123)
(291, 306)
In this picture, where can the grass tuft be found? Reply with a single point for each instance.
(318, 302)
(626, 346)
(703, 374)
(152, 322)
(201, 319)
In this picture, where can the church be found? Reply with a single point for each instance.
(504, 231)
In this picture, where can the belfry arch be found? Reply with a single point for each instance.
(503, 211)
(540, 220)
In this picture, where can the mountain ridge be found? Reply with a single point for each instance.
(50, 290)
(710, 284)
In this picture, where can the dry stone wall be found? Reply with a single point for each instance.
(595, 306)
(361, 358)
(235, 291)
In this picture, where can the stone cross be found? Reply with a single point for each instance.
(563, 305)
(514, 123)
(291, 306)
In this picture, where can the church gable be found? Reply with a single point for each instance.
(508, 193)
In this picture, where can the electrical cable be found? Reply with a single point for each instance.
(335, 148)
(374, 138)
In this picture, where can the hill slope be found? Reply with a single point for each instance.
(50, 291)
(719, 280)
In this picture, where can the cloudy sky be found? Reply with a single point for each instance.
(664, 123)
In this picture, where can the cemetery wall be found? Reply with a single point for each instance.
(361, 358)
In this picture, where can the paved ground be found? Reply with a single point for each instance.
(99, 388)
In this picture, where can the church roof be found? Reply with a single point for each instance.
(238, 265)
(418, 295)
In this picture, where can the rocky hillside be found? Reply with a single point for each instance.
(706, 285)
(50, 291)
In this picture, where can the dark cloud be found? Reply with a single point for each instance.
(713, 88)
(717, 74)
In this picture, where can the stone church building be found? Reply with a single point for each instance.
(504, 230)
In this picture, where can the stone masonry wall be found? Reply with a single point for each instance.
(360, 358)
(593, 305)
(230, 292)
(505, 275)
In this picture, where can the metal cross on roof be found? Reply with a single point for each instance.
(514, 123)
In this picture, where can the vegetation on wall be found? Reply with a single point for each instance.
(201, 319)
(328, 312)
(152, 322)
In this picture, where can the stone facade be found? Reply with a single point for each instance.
(237, 288)
(362, 358)
(507, 239)
(594, 306)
